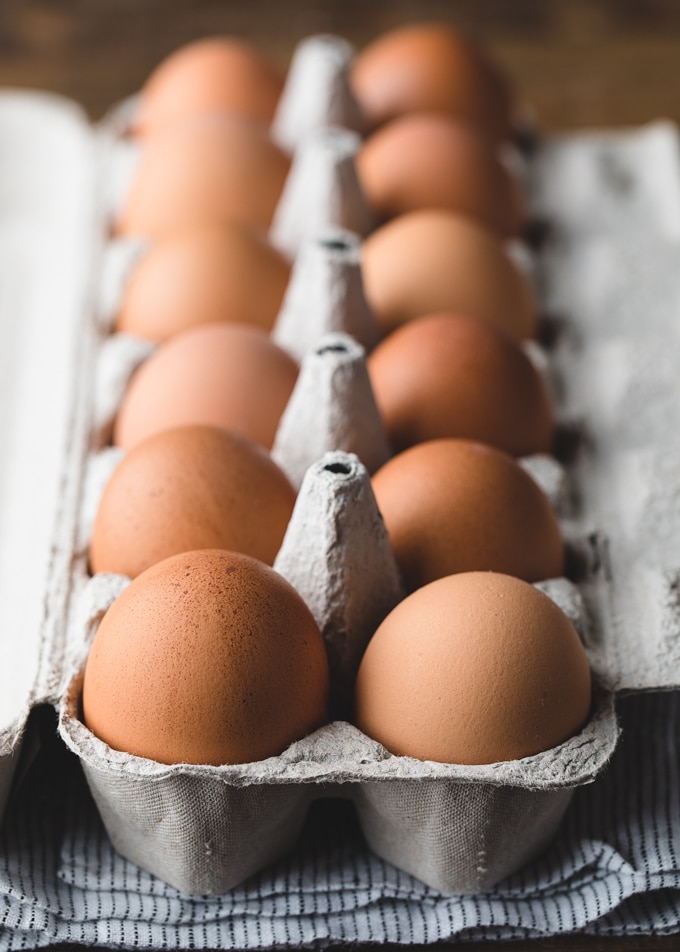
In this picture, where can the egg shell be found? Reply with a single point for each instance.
(205, 170)
(208, 657)
(439, 260)
(228, 375)
(473, 668)
(193, 487)
(445, 375)
(454, 505)
(429, 160)
(212, 74)
(226, 272)
(431, 66)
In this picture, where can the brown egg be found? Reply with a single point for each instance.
(474, 668)
(431, 66)
(208, 657)
(456, 505)
(446, 375)
(439, 260)
(206, 170)
(228, 375)
(191, 487)
(227, 272)
(430, 160)
(214, 74)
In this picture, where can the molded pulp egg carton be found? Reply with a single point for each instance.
(608, 284)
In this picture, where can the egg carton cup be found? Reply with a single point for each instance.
(457, 828)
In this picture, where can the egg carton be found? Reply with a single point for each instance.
(609, 356)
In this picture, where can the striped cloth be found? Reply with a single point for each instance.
(614, 869)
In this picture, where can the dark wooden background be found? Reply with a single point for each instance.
(579, 63)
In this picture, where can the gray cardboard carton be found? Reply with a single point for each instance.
(459, 829)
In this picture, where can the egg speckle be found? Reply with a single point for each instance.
(208, 657)
(474, 668)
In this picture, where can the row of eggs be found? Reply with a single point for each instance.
(210, 656)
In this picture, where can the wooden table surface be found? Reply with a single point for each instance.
(579, 63)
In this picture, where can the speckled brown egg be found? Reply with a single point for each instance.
(212, 74)
(455, 505)
(445, 375)
(226, 272)
(206, 170)
(439, 260)
(228, 375)
(474, 668)
(191, 487)
(430, 160)
(208, 657)
(432, 66)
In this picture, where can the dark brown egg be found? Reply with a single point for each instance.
(431, 66)
(430, 160)
(456, 505)
(445, 375)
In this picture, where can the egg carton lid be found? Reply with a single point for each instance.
(48, 215)
(609, 282)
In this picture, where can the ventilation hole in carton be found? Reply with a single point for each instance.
(537, 232)
(570, 438)
(550, 329)
(336, 244)
(525, 137)
(578, 561)
(335, 348)
(338, 468)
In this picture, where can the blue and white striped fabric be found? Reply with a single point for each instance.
(613, 869)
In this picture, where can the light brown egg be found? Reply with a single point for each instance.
(445, 375)
(430, 160)
(208, 657)
(227, 272)
(228, 375)
(431, 66)
(213, 74)
(206, 170)
(474, 668)
(191, 487)
(439, 260)
(455, 505)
